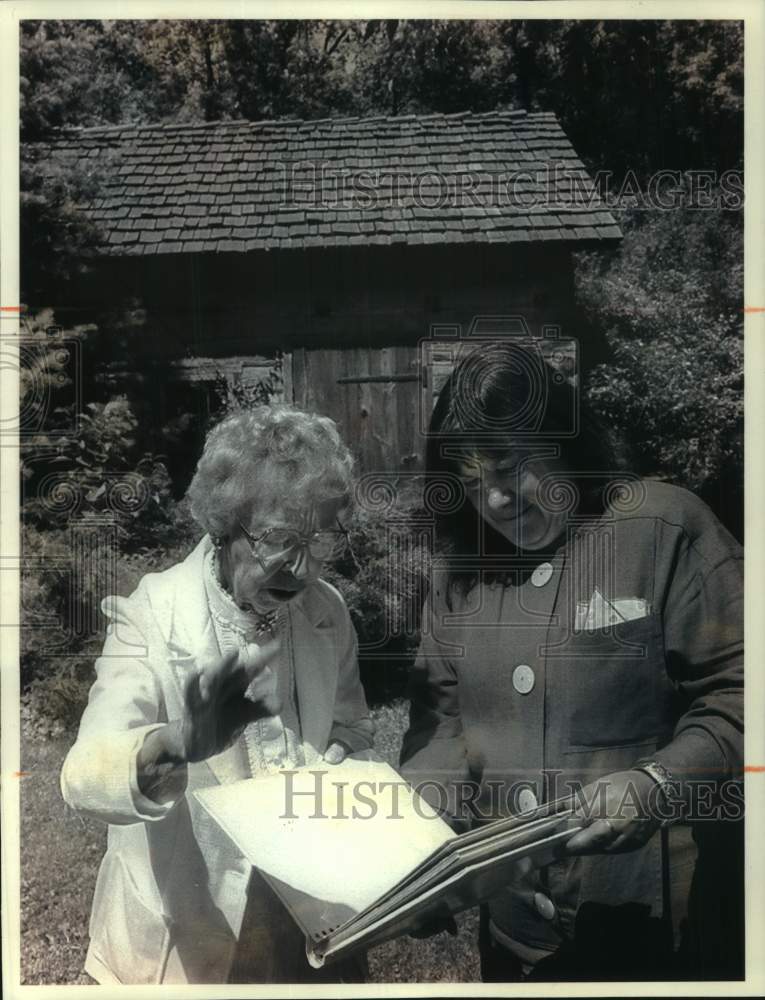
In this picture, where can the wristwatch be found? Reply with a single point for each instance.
(668, 786)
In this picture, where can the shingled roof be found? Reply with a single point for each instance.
(508, 177)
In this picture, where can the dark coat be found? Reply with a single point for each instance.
(665, 684)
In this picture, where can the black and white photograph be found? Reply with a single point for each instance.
(375, 497)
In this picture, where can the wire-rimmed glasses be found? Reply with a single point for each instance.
(274, 544)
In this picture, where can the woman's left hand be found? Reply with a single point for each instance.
(615, 809)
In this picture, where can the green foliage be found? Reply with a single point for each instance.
(671, 304)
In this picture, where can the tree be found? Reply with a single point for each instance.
(689, 75)
(671, 304)
(85, 73)
(293, 69)
(425, 66)
(73, 74)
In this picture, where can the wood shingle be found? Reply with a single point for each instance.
(234, 186)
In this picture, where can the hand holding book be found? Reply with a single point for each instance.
(402, 864)
(611, 828)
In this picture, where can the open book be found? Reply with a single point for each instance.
(358, 857)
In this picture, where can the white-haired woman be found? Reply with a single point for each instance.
(235, 662)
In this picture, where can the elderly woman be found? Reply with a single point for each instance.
(235, 662)
(584, 637)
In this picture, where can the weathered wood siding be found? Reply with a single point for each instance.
(346, 313)
(228, 304)
(378, 419)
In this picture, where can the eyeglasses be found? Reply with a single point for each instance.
(277, 543)
(505, 471)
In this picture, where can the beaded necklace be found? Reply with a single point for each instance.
(244, 627)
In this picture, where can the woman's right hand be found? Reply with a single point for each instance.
(217, 708)
(216, 712)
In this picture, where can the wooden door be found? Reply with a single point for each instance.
(373, 395)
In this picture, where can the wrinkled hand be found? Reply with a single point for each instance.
(616, 811)
(217, 709)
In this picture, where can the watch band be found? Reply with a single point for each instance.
(668, 786)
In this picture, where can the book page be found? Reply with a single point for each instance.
(341, 834)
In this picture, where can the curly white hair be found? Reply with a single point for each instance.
(276, 451)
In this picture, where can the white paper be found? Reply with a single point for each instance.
(341, 833)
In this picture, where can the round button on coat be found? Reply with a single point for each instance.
(527, 800)
(545, 906)
(523, 678)
(542, 574)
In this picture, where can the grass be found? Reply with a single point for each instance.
(62, 851)
(60, 858)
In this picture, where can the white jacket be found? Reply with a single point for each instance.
(172, 888)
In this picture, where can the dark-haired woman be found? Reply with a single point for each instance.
(583, 635)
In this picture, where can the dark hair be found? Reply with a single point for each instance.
(501, 395)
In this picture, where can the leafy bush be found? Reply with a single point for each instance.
(64, 581)
(671, 304)
(62, 586)
(98, 475)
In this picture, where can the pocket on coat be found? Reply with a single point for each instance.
(612, 682)
(128, 935)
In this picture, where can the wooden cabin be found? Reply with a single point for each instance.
(363, 252)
